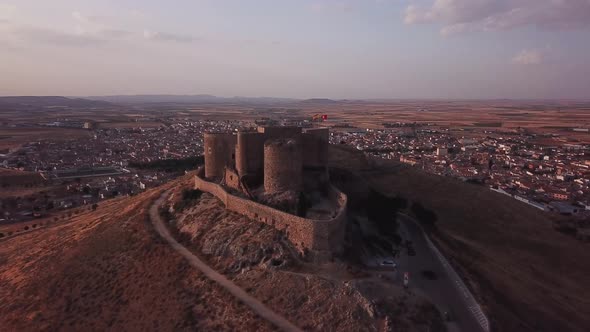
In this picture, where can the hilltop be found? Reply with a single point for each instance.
(109, 269)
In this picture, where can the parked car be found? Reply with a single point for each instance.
(447, 316)
(388, 263)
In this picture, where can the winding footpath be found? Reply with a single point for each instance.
(257, 306)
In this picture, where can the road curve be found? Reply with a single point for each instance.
(257, 306)
(448, 291)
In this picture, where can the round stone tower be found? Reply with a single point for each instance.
(250, 153)
(283, 166)
(219, 151)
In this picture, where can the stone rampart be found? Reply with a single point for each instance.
(318, 238)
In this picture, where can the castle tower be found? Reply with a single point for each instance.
(283, 166)
(250, 153)
(315, 143)
(219, 153)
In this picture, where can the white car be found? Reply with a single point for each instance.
(388, 263)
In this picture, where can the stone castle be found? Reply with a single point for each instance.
(279, 176)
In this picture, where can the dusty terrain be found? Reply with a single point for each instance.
(12, 138)
(322, 297)
(527, 276)
(108, 270)
(541, 116)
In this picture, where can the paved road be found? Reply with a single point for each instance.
(442, 291)
(258, 307)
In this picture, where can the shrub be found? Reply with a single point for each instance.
(383, 209)
(303, 205)
(425, 216)
(188, 196)
(165, 213)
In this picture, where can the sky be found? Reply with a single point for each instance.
(454, 49)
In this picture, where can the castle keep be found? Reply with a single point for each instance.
(279, 176)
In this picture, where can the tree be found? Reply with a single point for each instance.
(383, 209)
(425, 216)
(302, 205)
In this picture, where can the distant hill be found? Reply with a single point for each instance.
(28, 102)
(324, 101)
(186, 99)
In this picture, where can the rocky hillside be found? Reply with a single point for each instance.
(324, 297)
(528, 276)
(109, 270)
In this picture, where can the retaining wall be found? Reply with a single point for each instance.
(320, 238)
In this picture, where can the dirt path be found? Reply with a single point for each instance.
(258, 307)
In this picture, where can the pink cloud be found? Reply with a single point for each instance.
(528, 57)
(461, 15)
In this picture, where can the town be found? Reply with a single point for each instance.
(540, 170)
(55, 175)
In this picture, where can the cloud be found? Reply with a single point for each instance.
(80, 18)
(7, 11)
(330, 7)
(50, 36)
(167, 37)
(528, 57)
(61, 38)
(114, 33)
(464, 15)
(138, 14)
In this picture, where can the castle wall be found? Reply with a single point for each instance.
(280, 132)
(219, 152)
(315, 146)
(250, 153)
(210, 187)
(232, 179)
(283, 166)
(320, 239)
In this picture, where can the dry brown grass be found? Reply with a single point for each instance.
(15, 137)
(108, 270)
